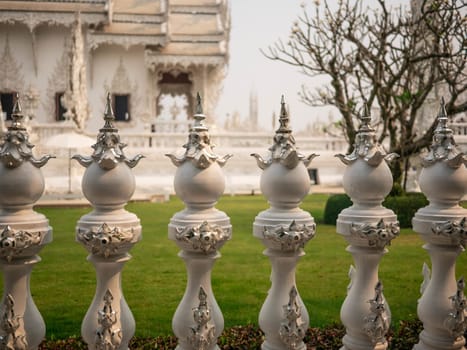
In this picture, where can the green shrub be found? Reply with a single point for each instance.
(334, 205)
(404, 207)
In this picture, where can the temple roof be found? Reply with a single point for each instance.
(174, 28)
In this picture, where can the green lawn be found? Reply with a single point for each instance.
(154, 280)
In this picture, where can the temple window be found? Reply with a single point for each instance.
(7, 99)
(59, 109)
(121, 105)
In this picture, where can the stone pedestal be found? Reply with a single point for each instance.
(368, 227)
(284, 229)
(442, 225)
(108, 233)
(200, 230)
(23, 234)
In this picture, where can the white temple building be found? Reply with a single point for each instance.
(152, 55)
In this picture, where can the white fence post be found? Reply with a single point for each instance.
(199, 230)
(108, 233)
(23, 234)
(284, 229)
(443, 226)
(368, 227)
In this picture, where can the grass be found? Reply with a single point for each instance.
(63, 283)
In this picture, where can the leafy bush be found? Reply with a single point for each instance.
(404, 207)
(406, 336)
(334, 205)
(250, 337)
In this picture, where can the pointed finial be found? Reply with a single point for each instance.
(109, 115)
(365, 119)
(199, 105)
(442, 117)
(199, 116)
(17, 115)
(283, 119)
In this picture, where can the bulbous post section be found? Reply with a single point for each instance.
(442, 225)
(368, 227)
(23, 233)
(200, 230)
(108, 232)
(284, 229)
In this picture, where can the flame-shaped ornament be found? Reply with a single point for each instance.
(365, 146)
(199, 149)
(283, 149)
(443, 147)
(108, 150)
(16, 148)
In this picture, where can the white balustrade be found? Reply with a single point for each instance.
(443, 226)
(108, 233)
(284, 229)
(368, 227)
(23, 234)
(200, 230)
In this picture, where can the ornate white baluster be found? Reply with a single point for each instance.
(284, 229)
(368, 227)
(23, 234)
(442, 225)
(199, 230)
(108, 233)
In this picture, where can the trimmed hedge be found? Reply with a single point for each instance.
(404, 207)
(334, 205)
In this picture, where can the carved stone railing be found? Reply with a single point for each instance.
(442, 225)
(24, 232)
(284, 229)
(368, 227)
(108, 233)
(200, 230)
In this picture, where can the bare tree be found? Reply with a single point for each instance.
(392, 58)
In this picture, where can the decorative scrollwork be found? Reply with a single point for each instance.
(456, 230)
(351, 275)
(377, 323)
(108, 150)
(292, 237)
(202, 335)
(13, 243)
(292, 330)
(105, 240)
(456, 322)
(426, 272)
(365, 146)
(199, 149)
(443, 147)
(283, 150)
(13, 337)
(378, 235)
(108, 337)
(16, 147)
(204, 237)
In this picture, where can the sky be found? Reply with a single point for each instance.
(255, 25)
